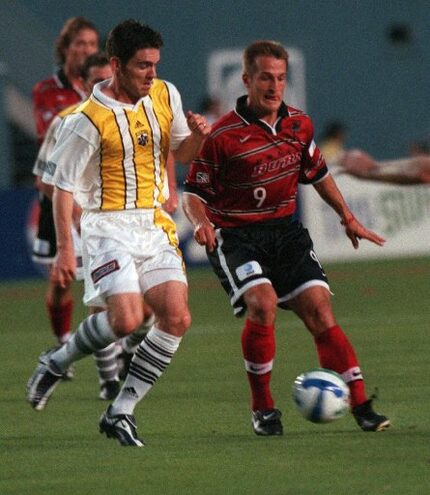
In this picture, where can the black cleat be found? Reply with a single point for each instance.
(267, 423)
(42, 382)
(122, 427)
(109, 390)
(368, 420)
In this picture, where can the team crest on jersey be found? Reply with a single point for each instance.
(295, 125)
(142, 138)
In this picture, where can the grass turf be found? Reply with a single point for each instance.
(196, 421)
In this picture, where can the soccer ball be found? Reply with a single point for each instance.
(321, 395)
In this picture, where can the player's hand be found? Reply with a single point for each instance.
(198, 124)
(204, 234)
(355, 231)
(171, 204)
(64, 269)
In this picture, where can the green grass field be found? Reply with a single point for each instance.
(196, 421)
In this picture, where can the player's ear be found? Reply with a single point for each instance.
(114, 63)
(245, 79)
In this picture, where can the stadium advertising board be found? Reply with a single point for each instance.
(401, 214)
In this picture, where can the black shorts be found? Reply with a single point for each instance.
(279, 252)
(45, 243)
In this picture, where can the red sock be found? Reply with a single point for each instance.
(61, 319)
(336, 353)
(258, 348)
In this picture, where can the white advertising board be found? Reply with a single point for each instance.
(400, 214)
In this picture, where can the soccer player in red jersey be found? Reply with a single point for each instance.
(77, 40)
(241, 196)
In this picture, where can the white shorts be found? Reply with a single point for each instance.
(128, 251)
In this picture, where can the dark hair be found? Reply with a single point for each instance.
(126, 38)
(263, 48)
(98, 59)
(68, 33)
(334, 129)
(207, 103)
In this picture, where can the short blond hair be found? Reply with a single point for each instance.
(260, 48)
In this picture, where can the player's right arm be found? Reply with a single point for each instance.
(66, 162)
(64, 270)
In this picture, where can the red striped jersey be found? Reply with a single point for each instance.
(249, 172)
(50, 96)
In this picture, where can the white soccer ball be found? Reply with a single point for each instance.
(321, 395)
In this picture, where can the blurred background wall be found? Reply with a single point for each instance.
(364, 62)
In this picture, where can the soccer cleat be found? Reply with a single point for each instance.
(267, 423)
(109, 390)
(124, 359)
(368, 420)
(120, 426)
(42, 382)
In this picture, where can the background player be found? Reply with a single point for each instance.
(77, 40)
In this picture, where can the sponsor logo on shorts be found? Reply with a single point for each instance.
(102, 271)
(248, 270)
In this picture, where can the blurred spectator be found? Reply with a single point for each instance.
(77, 40)
(406, 171)
(332, 142)
(420, 147)
(211, 108)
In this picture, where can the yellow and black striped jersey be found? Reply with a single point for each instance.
(112, 155)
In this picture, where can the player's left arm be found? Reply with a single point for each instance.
(190, 146)
(330, 193)
(188, 132)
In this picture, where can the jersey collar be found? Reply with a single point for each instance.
(62, 79)
(63, 82)
(246, 114)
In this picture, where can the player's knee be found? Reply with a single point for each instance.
(125, 324)
(181, 323)
(175, 323)
(262, 308)
(319, 318)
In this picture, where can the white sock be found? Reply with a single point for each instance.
(149, 362)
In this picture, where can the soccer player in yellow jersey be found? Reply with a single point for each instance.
(111, 156)
(96, 69)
